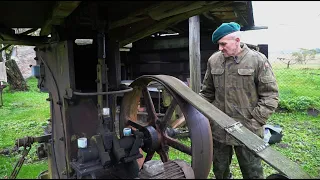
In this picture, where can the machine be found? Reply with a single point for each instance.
(96, 128)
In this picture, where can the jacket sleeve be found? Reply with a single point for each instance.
(267, 91)
(207, 90)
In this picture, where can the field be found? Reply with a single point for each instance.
(25, 113)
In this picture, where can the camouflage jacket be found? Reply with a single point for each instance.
(243, 87)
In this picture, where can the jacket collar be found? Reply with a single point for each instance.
(240, 56)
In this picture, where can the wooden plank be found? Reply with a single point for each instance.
(126, 21)
(61, 10)
(174, 8)
(163, 24)
(194, 53)
(136, 16)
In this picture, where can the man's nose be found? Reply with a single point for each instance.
(220, 48)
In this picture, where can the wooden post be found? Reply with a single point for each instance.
(114, 76)
(115, 63)
(194, 53)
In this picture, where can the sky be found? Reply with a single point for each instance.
(291, 24)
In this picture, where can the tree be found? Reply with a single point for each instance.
(301, 57)
(287, 61)
(304, 55)
(14, 75)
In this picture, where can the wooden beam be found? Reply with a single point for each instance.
(126, 21)
(22, 39)
(61, 10)
(176, 29)
(163, 24)
(194, 53)
(213, 18)
(173, 8)
(239, 16)
(113, 56)
(24, 33)
(136, 16)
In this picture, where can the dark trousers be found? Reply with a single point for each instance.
(249, 163)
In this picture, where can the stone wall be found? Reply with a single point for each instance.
(25, 57)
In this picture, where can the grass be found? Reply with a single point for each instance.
(298, 82)
(25, 113)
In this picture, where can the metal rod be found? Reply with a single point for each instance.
(102, 93)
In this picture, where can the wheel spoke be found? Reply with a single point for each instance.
(178, 145)
(149, 156)
(163, 155)
(152, 115)
(168, 115)
(135, 124)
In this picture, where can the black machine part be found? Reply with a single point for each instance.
(277, 176)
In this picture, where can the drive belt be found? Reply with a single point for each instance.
(234, 128)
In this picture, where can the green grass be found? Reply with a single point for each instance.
(22, 114)
(25, 113)
(298, 82)
(299, 88)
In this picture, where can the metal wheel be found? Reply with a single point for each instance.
(197, 124)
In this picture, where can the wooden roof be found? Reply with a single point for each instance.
(126, 21)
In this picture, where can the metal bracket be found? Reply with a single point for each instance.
(261, 147)
(234, 127)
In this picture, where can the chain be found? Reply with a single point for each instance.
(19, 163)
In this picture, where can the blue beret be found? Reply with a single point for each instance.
(223, 30)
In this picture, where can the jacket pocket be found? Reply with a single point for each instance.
(245, 72)
(267, 79)
(246, 79)
(217, 77)
(217, 71)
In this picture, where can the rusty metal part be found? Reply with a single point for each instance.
(198, 125)
(19, 164)
(28, 140)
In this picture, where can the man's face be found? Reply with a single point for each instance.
(228, 45)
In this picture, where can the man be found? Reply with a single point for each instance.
(240, 82)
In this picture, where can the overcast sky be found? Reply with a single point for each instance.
(291, 24)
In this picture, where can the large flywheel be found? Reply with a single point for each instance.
(198, 126)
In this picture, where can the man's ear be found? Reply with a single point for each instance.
(237, 39)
